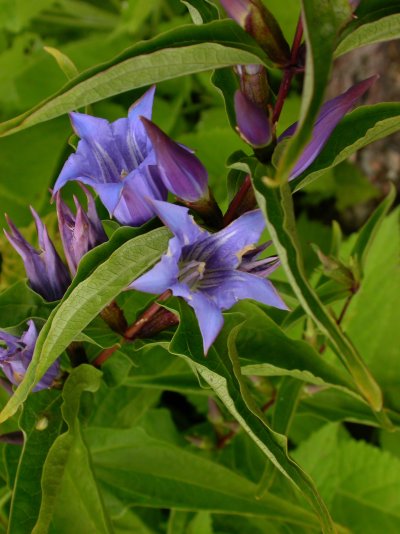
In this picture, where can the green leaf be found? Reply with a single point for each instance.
(63, 61)
(201, 11)
(84, 302)
(134, 468)
(265, 350)
(368, 232)
(278, 209)
(71, 500)
(19, 302)
(376, 31)
(359, 481)
(222, 372)
(321, 21)
(372, 317)
(41, 423)
(358, 129)
(181, 51)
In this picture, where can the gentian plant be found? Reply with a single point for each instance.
(205, 338)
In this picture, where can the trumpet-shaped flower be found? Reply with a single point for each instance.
(16, 355)
(253, 122)
(44, 268)
(81, 232)
(210, 271)
(181, 171)
(118, 161)
(330, 115)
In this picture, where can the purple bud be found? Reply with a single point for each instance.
(253, 122)
(330, 115)
(256, 20)
(16, 356)
(79, 233)
(180, 170)
(44, 268)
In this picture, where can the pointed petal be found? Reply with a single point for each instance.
(226, 247)
(228, 287)
(252, 121)
(181, 171)
(330, 115)
(209, 316)
(179, 221)
(160, 278)
(29, 337)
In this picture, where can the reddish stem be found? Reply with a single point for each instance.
(288, 73)
(230, 215)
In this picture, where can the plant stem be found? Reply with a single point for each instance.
(234, 206)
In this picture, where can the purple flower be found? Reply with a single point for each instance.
(118, 161)
(81, 232)
(44, 268)
(330, 115)
(16, 356)
(181, 171)
(210, 271)
(253, 122)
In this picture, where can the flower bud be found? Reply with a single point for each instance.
(180, 170)
(17, 354)
(256, 20)
(79, 233)
(44, 268)
(253, 122)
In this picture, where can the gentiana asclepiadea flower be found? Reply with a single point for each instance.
(329, 117)
(252, 121)
(46, 272)
(81, 232)
(210, 271)
(118, 161)
(16, 355)
(180, 170)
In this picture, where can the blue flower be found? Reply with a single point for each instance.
(44, 268)
(16, 356)
(118, 161)
(210, 271)
(81, 232)
(329, 117)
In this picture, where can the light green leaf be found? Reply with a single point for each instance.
(222, 373)
(84, 302)
(201, 11)
(71, 501)
(41, 423)
(359, 481)
(376, 31)
(64, 62)
(358, 129)
(185, 50)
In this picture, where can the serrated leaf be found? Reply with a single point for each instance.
(71, 500)
(376, 31)
(84, 302)
(358, 129)
(181, 51)
(359, 481)
(222, 373)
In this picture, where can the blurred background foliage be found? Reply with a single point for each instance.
(191, 110)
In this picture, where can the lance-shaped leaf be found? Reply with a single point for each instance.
(222, 372)
(84, 302)
(181, 51)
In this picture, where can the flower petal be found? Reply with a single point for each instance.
(330, 115)
(209, 316)
(227, 287)
(160, 278)
(179, 221)
(252, 121)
